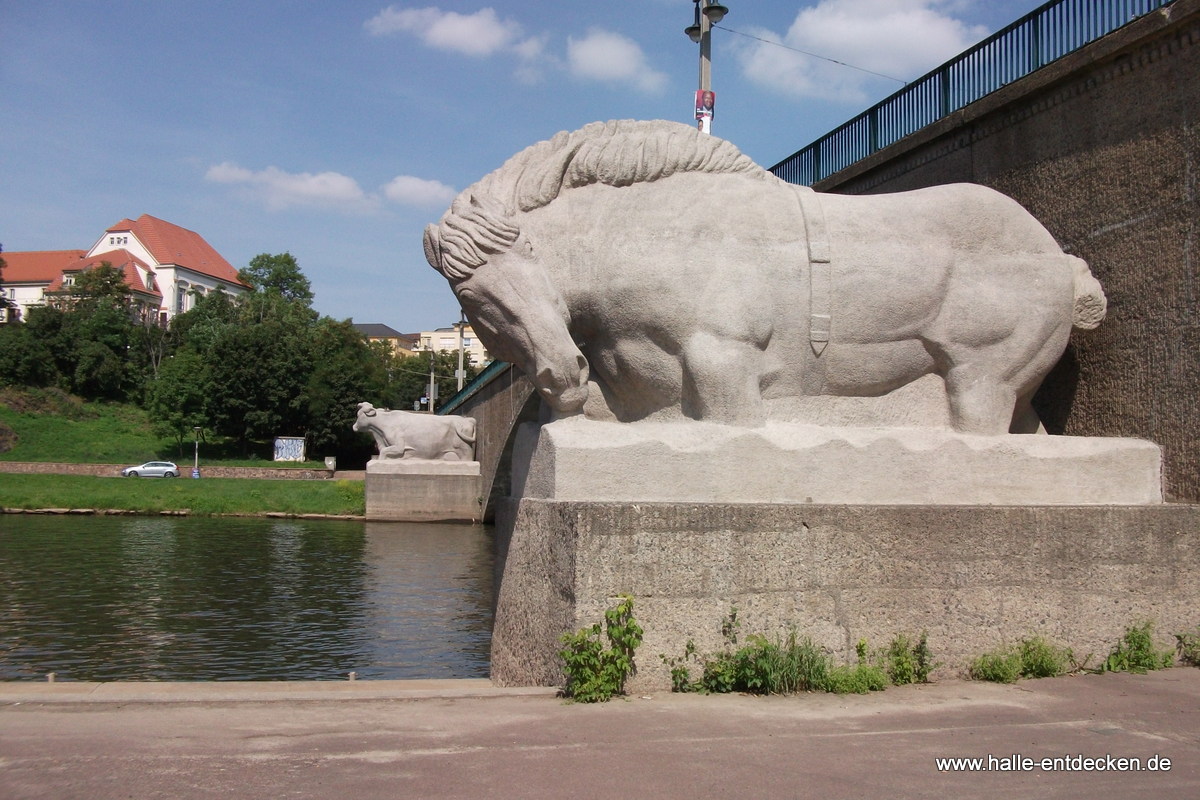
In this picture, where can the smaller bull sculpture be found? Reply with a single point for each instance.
(424, 437)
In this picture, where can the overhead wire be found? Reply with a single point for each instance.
(813, 55)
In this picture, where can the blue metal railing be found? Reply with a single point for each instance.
(485, 377)
(1040, 37)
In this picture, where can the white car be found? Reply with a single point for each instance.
(152, 469)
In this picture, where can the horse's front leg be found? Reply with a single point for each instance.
(722, 380)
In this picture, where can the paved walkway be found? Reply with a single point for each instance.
(466, 739)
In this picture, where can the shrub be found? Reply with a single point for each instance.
(1000, 666)
(762, 666)
(906, 661)
(1041, 659)
(1188, 646)
(860, 678)
(1031, 658)
(595, 672)
(1135, 652)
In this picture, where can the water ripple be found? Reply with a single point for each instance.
(111, 598)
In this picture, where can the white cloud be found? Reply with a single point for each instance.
(480, 34)
(280, 189)
(898, 38)
(612, 58)
(410, 191)
(600, 55)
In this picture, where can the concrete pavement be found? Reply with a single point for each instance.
(467, 739)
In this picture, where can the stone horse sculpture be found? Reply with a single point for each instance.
(678, 276)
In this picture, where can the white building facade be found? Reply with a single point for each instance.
(166, 267)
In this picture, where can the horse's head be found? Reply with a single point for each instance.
(519, 315)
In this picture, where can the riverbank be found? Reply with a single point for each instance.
(295, 473)
(186, 512)
(82, 494)
(352, 739)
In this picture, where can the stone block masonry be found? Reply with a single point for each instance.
(973, 577)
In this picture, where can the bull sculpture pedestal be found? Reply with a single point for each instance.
(410, 490)
(425, 470)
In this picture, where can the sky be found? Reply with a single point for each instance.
(337, 130)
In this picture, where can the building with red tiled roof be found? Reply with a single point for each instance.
(137, 274)
(166, 267)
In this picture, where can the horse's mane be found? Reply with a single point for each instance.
(481, 221)
(615, 153)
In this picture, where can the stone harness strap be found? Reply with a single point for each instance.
(820, 277)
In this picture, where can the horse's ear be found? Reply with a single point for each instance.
(433, 247)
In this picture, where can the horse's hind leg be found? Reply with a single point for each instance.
(721, 381)
(979, 402)
(1025, 419)
(990, 388)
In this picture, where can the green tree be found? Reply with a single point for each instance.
(25, 358)
(177, 397)
(101, 286)
(277, 275)
(345, 372)
(412, 377)
(88, 327)
(257, 375)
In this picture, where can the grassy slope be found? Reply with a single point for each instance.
(90, 433)
(52, 427)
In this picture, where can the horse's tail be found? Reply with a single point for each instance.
(1090, 303)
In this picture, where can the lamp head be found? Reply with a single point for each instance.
(715, 12)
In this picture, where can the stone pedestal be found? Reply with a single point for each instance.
(580, 459)
(975, 540)
(973, 577)
(404, 490)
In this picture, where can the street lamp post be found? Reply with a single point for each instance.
(707, 14)
(461, 374)
(196, 462)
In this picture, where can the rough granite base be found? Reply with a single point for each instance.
(402, 490)
(971, 577)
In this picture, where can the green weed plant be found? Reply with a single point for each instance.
(795, 664)
(597, 672)
(1135, 652)
(1188, 647)
(1032, 657)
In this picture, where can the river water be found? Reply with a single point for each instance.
(210, 599)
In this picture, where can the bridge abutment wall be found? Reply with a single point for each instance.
(972, 578)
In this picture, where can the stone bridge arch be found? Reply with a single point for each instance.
(500, 399)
